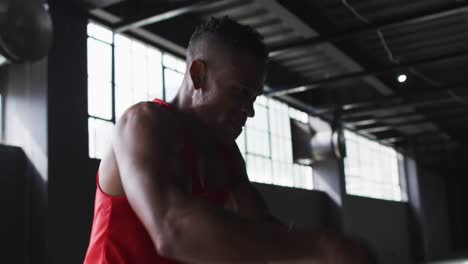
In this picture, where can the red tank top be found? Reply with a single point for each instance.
(118, 236)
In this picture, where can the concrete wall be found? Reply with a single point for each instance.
(457, 182)
(383, 224)
(429, 218)
(302, 208)
(435, 224)
(25, 91)
(13, 206)
(417, 215)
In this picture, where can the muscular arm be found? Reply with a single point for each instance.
(148, 147)
(246, 201)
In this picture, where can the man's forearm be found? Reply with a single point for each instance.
(206, 234)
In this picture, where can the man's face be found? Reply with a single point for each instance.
(230, 93)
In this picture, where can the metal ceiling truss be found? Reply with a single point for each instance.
(361, 74)
(432, 15)
(408, 115)
(169, 13)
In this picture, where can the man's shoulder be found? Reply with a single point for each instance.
(151, 117)
(153, 113)
(152, 109)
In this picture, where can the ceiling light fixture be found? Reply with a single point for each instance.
(402, 78)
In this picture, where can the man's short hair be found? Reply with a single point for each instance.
(232, 34)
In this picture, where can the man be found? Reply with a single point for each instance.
(173, 186)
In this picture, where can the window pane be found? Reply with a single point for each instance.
(99, 137)
(99, 99)
(269, 139)
(172, 80)
(240, 141)
(258, 142)
(122, 42)
(99, 60)
(169, 61)
(139, 68)
(259, 169)
(100, 33)
(257, 129)
(173, 62)
(138, 73)
(303, 177)
(181, 66)
(155, 86)
(260, 120)
(2, 59)
(298, 115)
(91, 138)
(123, 66)
(283, 174)
(261, 100)
(139, 96)
(123, 100)
(371, 169)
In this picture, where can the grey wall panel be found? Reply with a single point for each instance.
(26, 111)
(436, 221)
(383, 224)
(26, 126)
(13, 204)
(306, 209)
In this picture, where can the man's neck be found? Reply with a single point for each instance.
(182, 102)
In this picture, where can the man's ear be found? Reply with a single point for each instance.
(198, 73)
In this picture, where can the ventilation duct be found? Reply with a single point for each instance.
(316, 141)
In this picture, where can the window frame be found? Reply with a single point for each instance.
(288, 164)
(113, 83)
(357, 174)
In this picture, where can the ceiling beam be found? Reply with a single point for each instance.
(431, 15)
(438, 120)
(408, 115)
(362, 74)
(93, 4)
(372, 110)
(168, 12)
(452, 90)
(419, 137)
(365, 108)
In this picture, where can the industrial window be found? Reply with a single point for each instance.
(266, 145)
(371, 169)
(100, 82)
(138, 73)
(123, 71)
